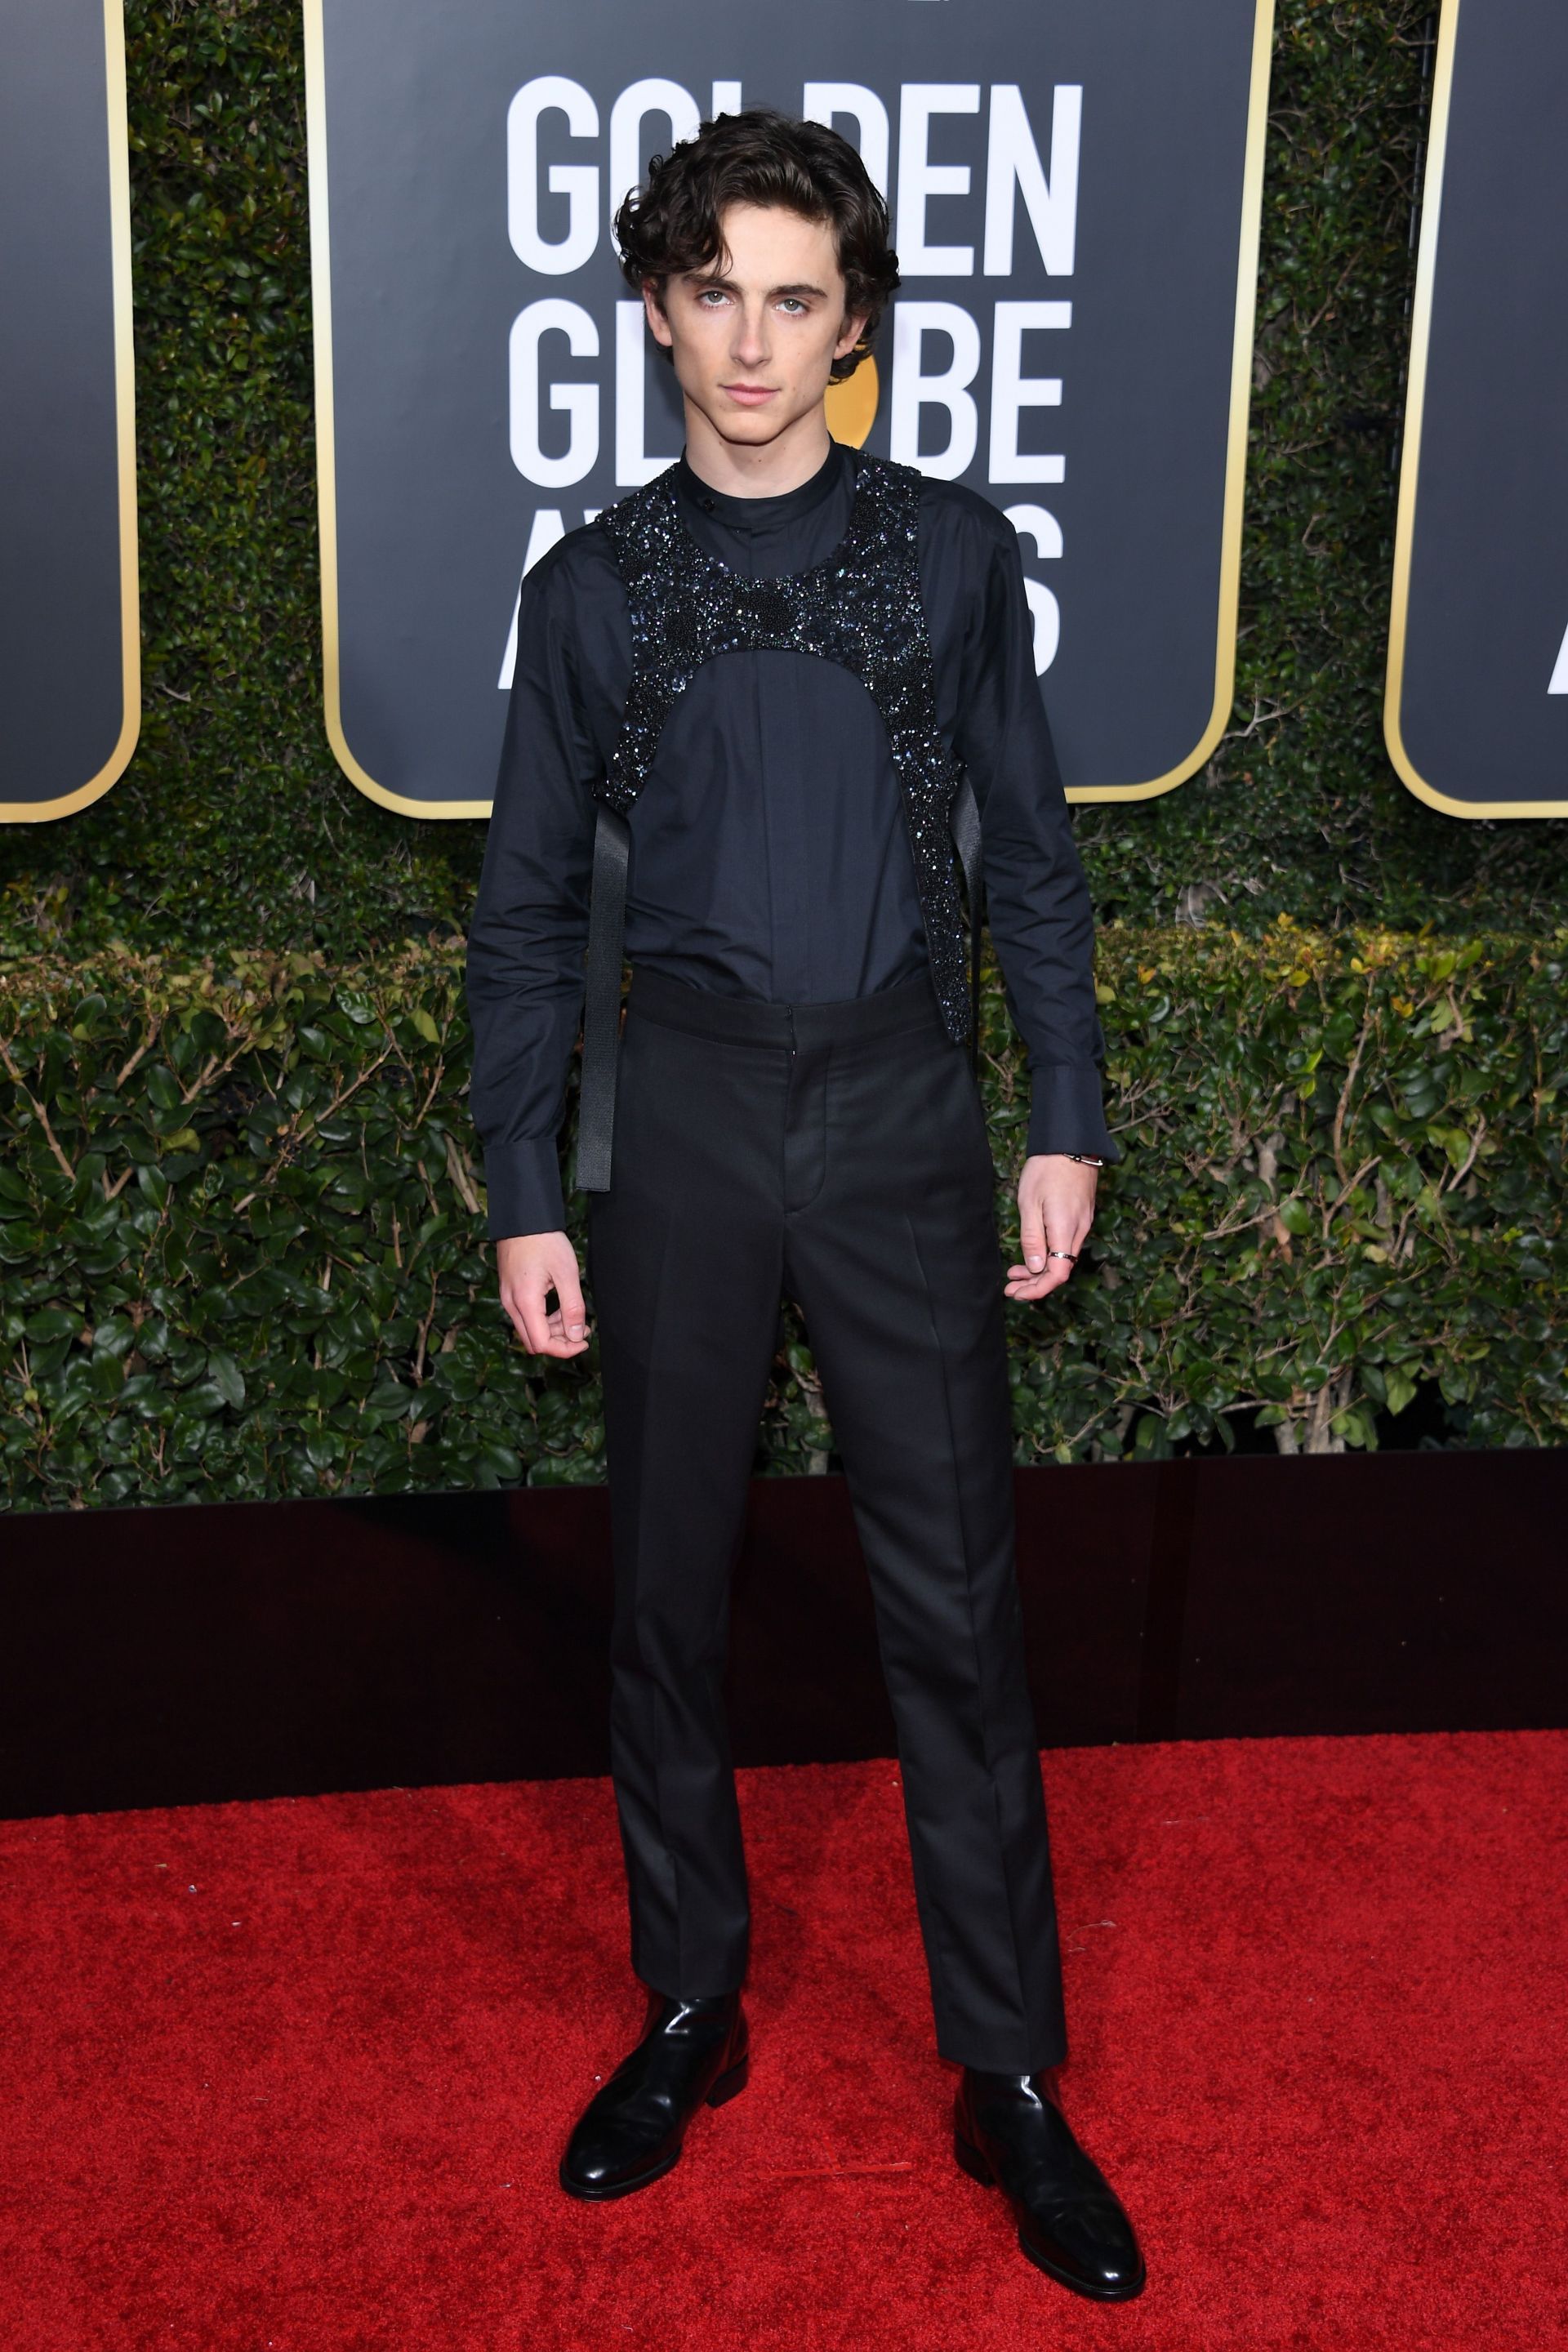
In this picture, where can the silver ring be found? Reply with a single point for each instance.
(1066, 1254)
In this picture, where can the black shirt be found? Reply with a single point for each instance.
(770, 856)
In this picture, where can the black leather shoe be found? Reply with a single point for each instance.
(631, 2129)
(1009, 2133)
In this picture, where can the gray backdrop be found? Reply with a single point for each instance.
(433, 515)
(62, 688)
(1484, 694)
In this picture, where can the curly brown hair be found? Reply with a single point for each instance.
(672, 222)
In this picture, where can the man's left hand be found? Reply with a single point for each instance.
(1055, 1210)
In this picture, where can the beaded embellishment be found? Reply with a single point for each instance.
(860, 608)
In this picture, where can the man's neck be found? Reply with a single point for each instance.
(739, 471)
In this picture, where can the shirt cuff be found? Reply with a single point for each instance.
(523, 1184)
(1067, 1114)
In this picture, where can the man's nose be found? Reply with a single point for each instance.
(750, 347)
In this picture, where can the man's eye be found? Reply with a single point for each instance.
(791, 303)
(712, 296)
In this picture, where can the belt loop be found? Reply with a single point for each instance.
(602, 1000)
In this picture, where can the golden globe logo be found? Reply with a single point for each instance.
(554, 125)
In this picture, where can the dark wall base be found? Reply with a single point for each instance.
(196, 1654)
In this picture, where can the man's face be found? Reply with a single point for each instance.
(754, 335)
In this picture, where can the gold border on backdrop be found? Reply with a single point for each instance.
(326, 442)
(39, 812)
(1410, 453)
(1236, 448)
(1236, 445)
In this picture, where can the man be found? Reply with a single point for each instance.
(742, 697)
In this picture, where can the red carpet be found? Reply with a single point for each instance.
(292, 2077)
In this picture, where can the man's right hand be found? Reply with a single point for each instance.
(530, 1265)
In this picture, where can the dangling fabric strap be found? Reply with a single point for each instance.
(966, 837)
(602, 996)
(602, 1001)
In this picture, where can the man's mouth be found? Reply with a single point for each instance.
(749, 395)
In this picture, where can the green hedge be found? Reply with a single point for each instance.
(243, 1258)
(242, 1235)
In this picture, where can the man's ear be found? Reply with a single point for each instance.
(653, 308)
(850, 334)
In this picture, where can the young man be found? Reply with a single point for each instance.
(742, 696)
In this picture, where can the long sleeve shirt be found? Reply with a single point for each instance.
(769, 853)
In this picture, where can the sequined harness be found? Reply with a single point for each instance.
(860, 608)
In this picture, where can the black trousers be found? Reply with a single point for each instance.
(837, 1153)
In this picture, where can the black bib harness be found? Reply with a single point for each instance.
(860, 608)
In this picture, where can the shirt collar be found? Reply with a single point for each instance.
(763, 514)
